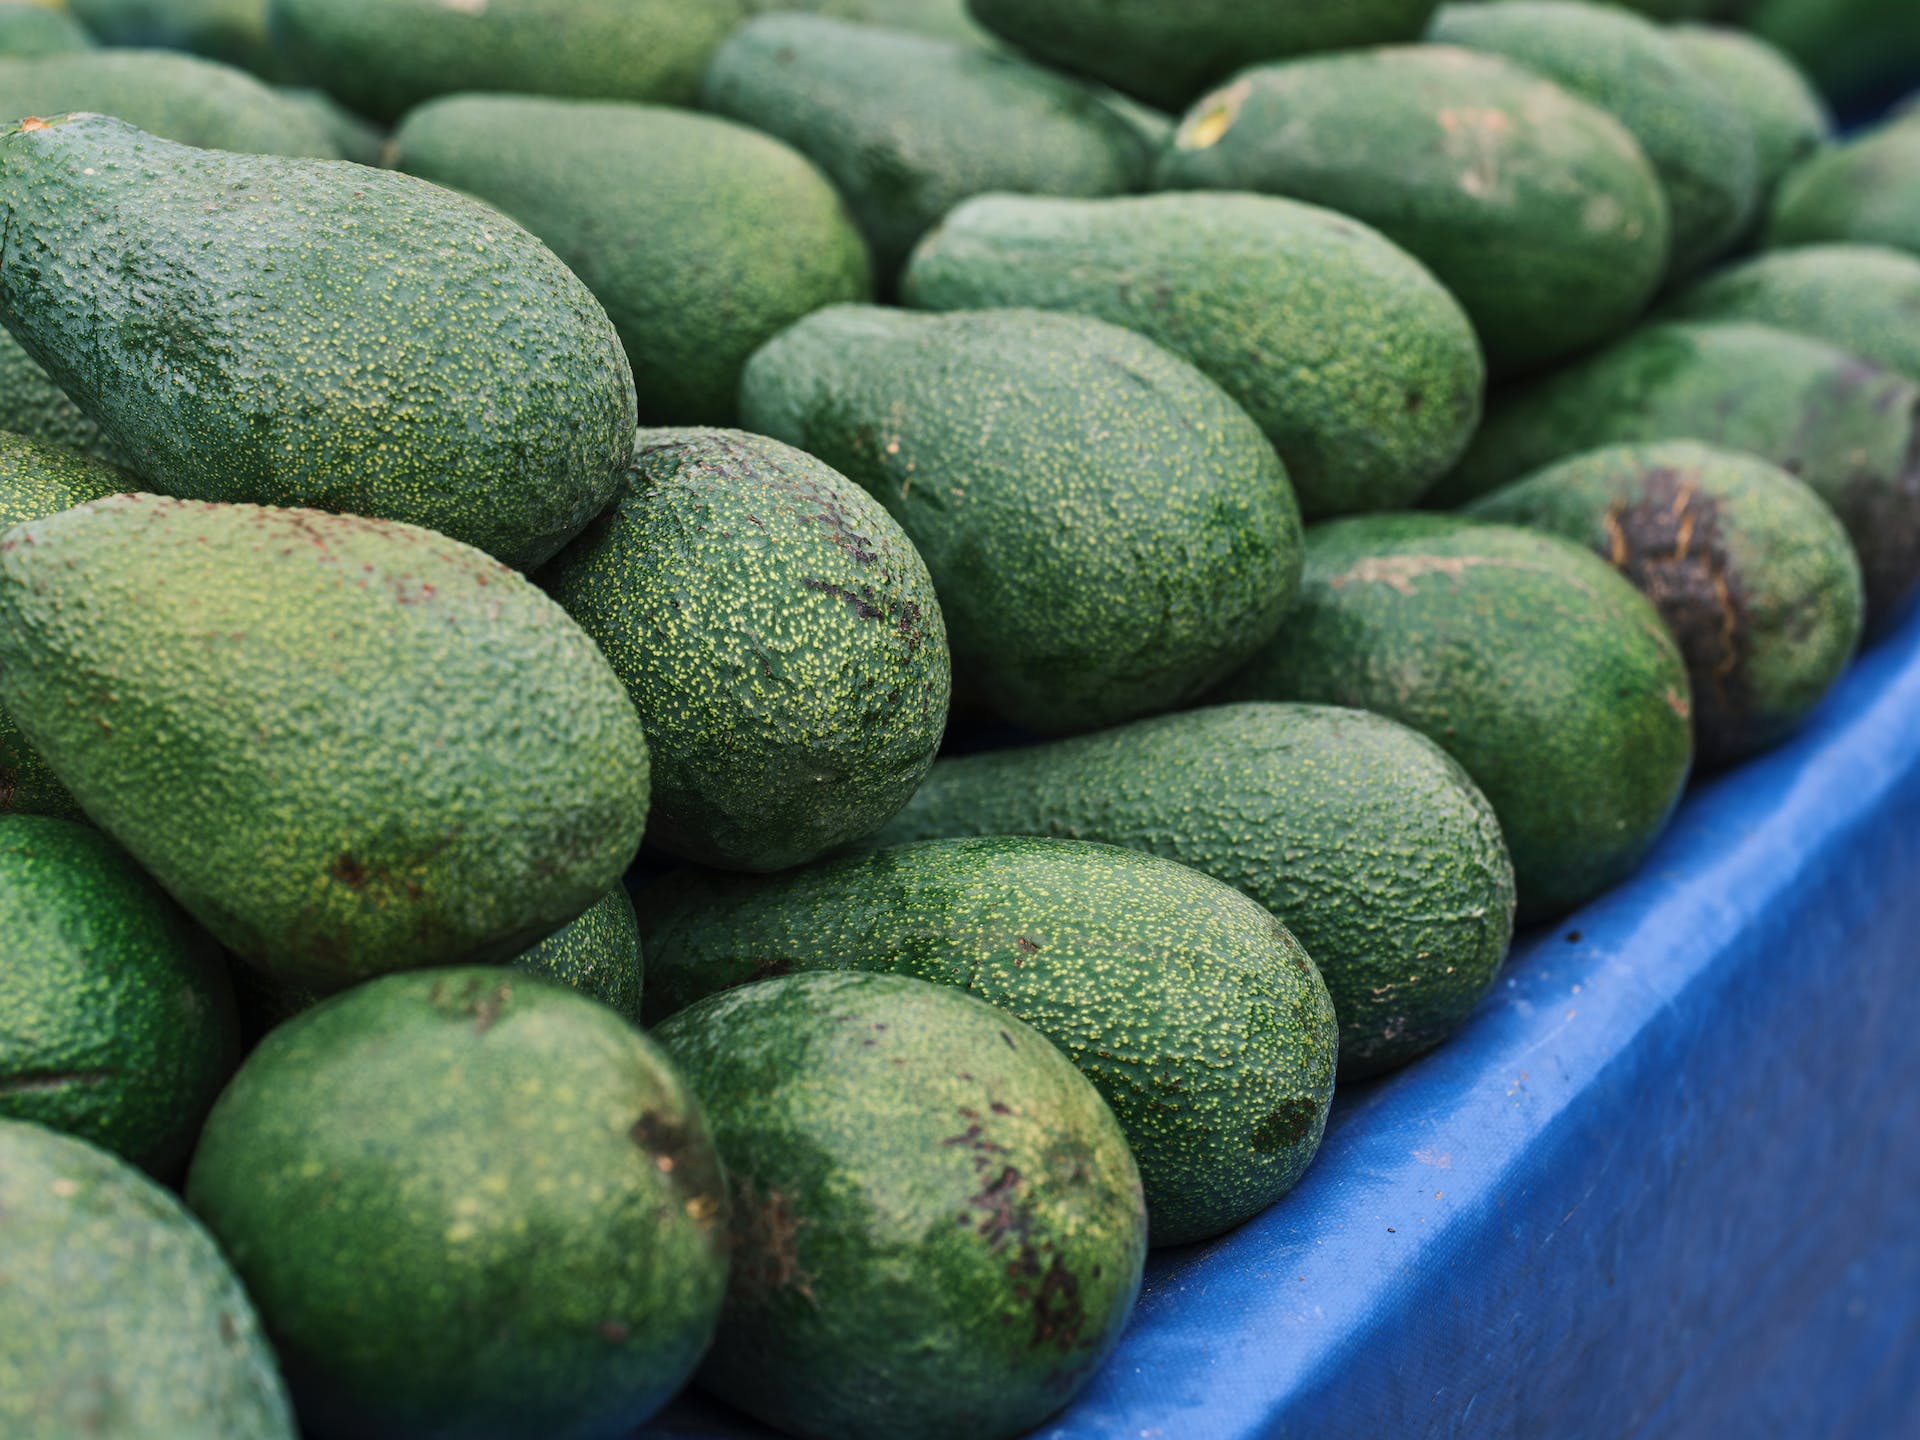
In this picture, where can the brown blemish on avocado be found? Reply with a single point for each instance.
(1286, 1127)
(1890, 514)
(861, 606)
(36, 1080)
(766, 1246)
(349, 872)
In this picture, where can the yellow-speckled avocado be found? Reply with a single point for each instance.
(346, 746)
(471, 1205)
(1190, 1007)
(306, 332)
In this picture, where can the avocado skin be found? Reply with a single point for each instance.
(345, 746)
(1166, 54)
(1362, 836)
(33, 407)
(1863, 191)
(908, 126)
(1109, 532)
(859, 1116)
(40, 30)
(1536, 209)
(1364, 373)
(780, 638)
(944, 19)
(1526, 658)
(123, 1321)
(303, 332)
(471, 1205)
(702, 238)
(1191, 1009)
(1749, 569)
(1844, 426)
(234, 31)
(383, 57)
(1789, 119)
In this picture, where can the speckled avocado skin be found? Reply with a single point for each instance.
(1749, 569)
(1536, 209)
(116, 1017)
(123, 1322)
(231, 30)
(1373, 847)
(1362, 370)
(1193, 1011)
(31, 405)
(1865, 191)
(908, 126)
(701, 237)
(471, 1205)
(1844, 426)
(780, 638)
(383, 57)
(1528, 659)
(1167, 53)
(938, 1231)
(40, 30)
(345, 746)
(1789, 119)
(305, 332)
(1109, 532)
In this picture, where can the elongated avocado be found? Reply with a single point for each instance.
(1789, 118)
(1863, 191)
(234, 31)
(946, 19)
(39, 30)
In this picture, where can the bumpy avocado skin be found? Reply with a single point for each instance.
(1789, 119)
(1536, 209)
(908, 126)
(1364, 372)
(471, 1205)
(1844, 426)
(40, 30)
(383, 57)
(861, 1116)
(702, 238)
(1526, 658)
(123, 1322)
(345, 746)
(780, 638)
(33, 407)
(1362, 836)
(1864, 191)
(304, 332)
(1167, 53)
(1749, 569)
(1193, 1011)
(118, 1023)
(1109, 532)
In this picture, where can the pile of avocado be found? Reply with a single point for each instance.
(1066, 571)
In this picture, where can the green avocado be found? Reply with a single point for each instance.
(1168, 53)
(1855, 50)
(122, 1321)
(1362, 370)
(1526, 658)
(116, 1017)
(1109, 532)
(33, 407)
(234, 31)
(1372, 845)
(1193, 1011)
(779, 636)
(303, 332)
(39, 29)
(356, 139)
(471, 1205)
(701, 237)
(1536, 209)
(1789, 119)
(1864, 191)
(1747, 566)
(945, 19)
(345, 746)
(908, 126)
(1844, 426)
(860, 1117)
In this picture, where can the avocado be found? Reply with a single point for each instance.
(908, 126)
(39, 29)
(305, 332)
(471, 1205)
(346, 746)
(123, 1322)
(1864, 191)
(1193, 1011)
(34, 408)
(861, 1116)
(1858, 51)
(1168, 53)
(383, 57)
(780, 639)
(1789, 119)
(702, 238)
(1747, 566)
(1536, 209)
(944, 19)
(177, 97)
(1373, 847)
(1526, 658)
(234, 31)
(1109, 532)
(1844, 426)
(1362, 370)
(355, 138)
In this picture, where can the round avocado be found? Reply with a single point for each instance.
(1864, 191)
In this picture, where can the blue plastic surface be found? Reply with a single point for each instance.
(1666, 1184)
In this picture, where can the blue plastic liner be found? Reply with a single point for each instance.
(1667, 1183)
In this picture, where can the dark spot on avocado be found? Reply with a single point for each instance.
(766, 1245)
(1027, 946)
(1285, 1127)
(349, 872)
(1415, 399)
(9, 784)
(229, 1331)
(1058, 1315)
(30, 1080)
(863, 608)
(613, 1331)
(770, 967)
